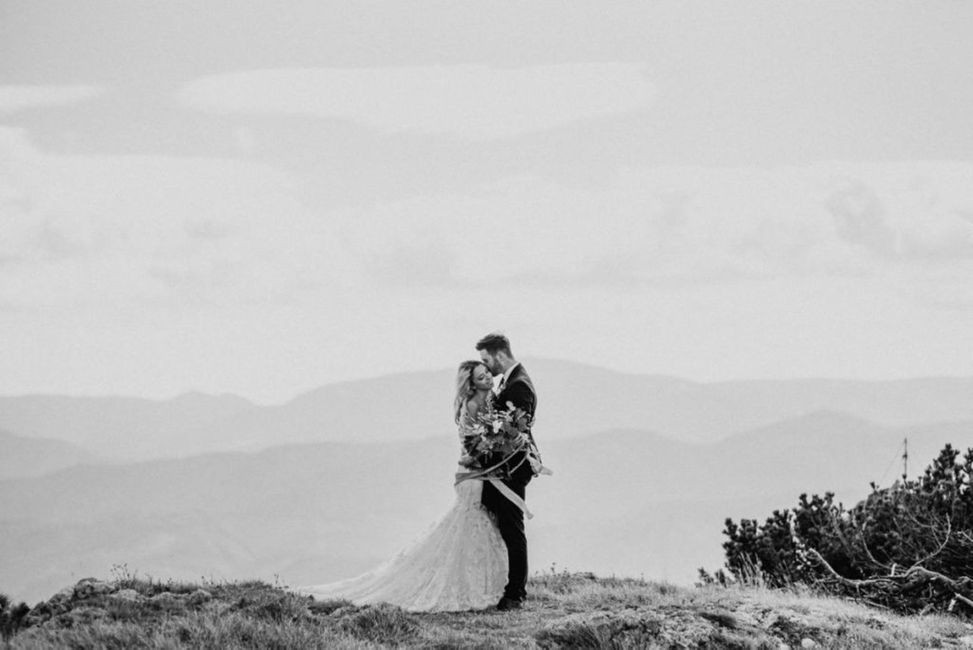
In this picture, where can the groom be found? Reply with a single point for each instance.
(515, 387)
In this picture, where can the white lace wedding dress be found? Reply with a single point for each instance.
(460, 564)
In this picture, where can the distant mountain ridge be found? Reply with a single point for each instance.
(624, 501)
(22, 457)
(575, 400)
(116, 427)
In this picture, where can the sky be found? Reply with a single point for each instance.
(256, 198)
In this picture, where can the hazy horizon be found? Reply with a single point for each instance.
(443, 369)
(259, 200)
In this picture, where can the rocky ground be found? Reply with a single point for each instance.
(564, 611)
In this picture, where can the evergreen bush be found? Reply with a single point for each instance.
(908, 547)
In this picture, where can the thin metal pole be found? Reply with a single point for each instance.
(905, 459)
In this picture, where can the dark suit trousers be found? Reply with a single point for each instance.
(510, 520)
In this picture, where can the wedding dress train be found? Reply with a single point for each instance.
(461, 564)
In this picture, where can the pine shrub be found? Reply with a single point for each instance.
(12, 617)
(908, 546)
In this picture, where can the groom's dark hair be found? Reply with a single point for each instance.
(493, 343)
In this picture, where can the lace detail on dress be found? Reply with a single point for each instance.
(460, 564)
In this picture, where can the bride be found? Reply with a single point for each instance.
(461, 563)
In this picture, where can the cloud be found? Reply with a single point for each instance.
(207, 229)
(116, 229)
(859, 219)
(113, 230)
(415, 265)
(467, 101)
(651, 226)
(18, 98)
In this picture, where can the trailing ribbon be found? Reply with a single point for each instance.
(484, 475)
(510, 494)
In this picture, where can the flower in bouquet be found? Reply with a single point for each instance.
(496, 435)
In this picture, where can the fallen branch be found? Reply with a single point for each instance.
(963, 599)
(849, 581)
(896, 588)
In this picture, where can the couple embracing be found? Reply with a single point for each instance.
(475, 557)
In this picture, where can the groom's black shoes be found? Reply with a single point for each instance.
(507, 604)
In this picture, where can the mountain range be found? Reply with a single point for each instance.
(36, 456)
(334, 481)
(575, 400)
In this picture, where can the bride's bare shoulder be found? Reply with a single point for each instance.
(472, 407)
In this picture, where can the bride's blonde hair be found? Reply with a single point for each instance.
(464, 386)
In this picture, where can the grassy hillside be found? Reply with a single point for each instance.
(564, 610)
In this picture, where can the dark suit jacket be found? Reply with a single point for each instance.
(519, 391)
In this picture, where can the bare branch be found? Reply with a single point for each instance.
(868, 552)
(932, 575)
(949, 531)
(840, 578)
(963, 599)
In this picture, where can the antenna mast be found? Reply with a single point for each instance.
(905, 459)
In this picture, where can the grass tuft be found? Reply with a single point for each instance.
(563, 610)
(381, 623)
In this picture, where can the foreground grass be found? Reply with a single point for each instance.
(564, 610)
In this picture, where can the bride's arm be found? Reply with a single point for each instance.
(465, 425)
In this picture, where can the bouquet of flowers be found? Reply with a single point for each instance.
(495, 436)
